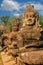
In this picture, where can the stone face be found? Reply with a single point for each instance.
(15, 24)
(30, 16)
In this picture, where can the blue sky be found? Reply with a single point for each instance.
(17, 7)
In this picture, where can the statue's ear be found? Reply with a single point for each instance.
(33, 6)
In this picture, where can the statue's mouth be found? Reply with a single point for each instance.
(31, 23)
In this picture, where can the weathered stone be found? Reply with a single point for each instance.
(7, 59)
(33, 57)
(30, 16)
(15, 24)
(31, 28)
(30, 35)
(13, 36)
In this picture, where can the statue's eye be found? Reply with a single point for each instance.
(27, 16)
(33, 15)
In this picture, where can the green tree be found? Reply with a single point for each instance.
(41, 21)
(9, 24)
(21, 22)
(5, 19)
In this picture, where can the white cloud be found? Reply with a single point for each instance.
(37, 6)
(41, 12)
(10, 5)
(16, 14)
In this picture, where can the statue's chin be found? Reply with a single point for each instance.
(31, 24)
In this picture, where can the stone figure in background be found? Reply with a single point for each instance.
(13, 37)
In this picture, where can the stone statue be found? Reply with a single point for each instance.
(29, 43)
(31, 28)
(13, 37)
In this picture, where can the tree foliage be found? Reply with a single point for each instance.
(41, 21)
(5, 19)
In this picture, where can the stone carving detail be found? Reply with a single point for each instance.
(30, 16)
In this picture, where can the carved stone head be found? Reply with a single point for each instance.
(30, 16)
(15, 25)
